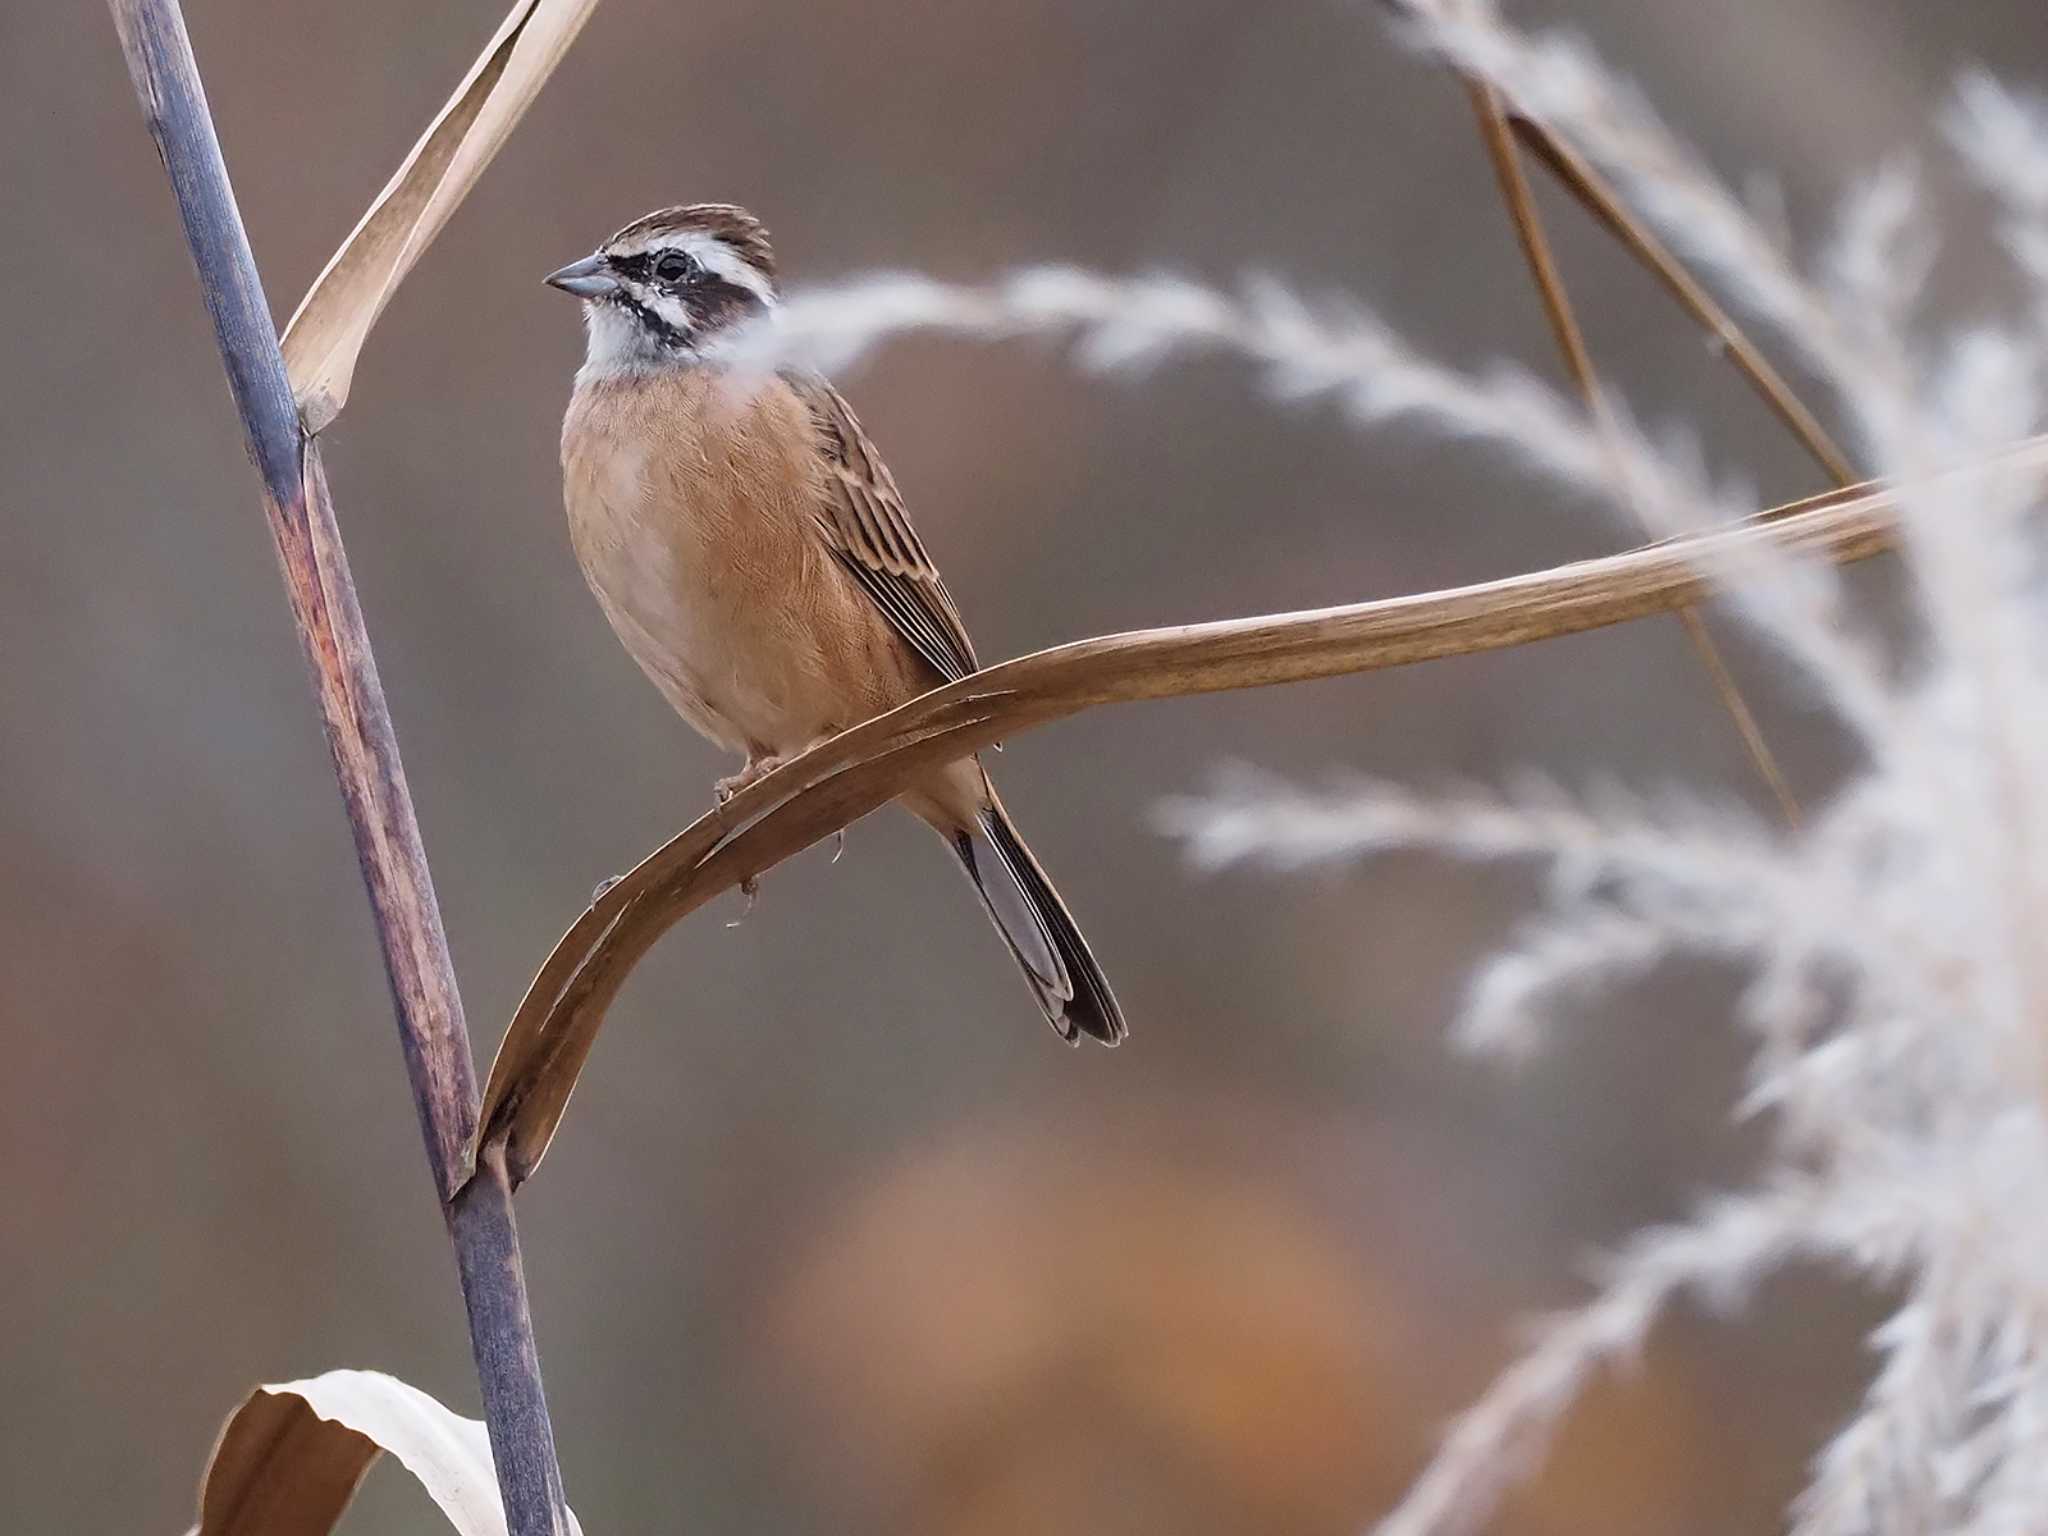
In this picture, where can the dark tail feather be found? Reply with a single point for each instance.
(1071, 989)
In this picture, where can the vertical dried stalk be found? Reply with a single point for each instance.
(1571, 344)
(359, 734)
(1576, 174)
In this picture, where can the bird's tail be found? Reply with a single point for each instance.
(1071, 990)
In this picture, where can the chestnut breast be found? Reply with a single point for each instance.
(691, 507)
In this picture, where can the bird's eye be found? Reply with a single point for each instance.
(673, 267)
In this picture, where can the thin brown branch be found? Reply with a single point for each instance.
(1495, 134)
(1499, 140)
(843, 779)
(1722, 680)
(1586, 184)
(366, 762)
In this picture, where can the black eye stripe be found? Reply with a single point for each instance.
(710, 301)
(672, 267)
(668, 334)
(715, 294)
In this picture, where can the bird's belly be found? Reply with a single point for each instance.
(729, 607)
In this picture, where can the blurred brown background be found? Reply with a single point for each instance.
(838, 1237)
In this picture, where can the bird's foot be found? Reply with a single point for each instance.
(597, 891)
(757, 768)
(838, 844)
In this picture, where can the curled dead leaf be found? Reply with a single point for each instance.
(332, 322)
(841, 780)
(289, 1460)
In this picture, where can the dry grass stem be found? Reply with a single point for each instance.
(1570, 114)
(363, 744)
(1498, 137)
(1577, 175)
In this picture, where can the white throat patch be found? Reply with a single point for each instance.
(616, 342)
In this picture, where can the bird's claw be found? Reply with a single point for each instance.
(750, 888)
(838, 844)
(757, 768)
(597, 891)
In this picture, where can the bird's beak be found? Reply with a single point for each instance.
(587, 279)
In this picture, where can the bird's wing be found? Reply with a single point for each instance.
(864, 524)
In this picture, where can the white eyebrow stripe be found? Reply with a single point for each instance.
(710, 253)
(721, 260)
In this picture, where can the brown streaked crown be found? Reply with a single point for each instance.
(727, 221)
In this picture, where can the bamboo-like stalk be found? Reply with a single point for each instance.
(813, 795)
(1498, 137)
(478, 1208)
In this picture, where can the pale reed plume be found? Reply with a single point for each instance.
(1897, 1003)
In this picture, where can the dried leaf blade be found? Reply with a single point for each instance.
(327, 332)
(812, 795)
(291, 1457)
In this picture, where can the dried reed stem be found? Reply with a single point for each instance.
(1586, 184)
(1495, 133)
(366, 762)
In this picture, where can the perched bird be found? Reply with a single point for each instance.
(752, 553)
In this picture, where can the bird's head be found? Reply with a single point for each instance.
(670, 281)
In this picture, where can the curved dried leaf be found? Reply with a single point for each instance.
(841, 780)
(291, 1457)
(327, 332)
